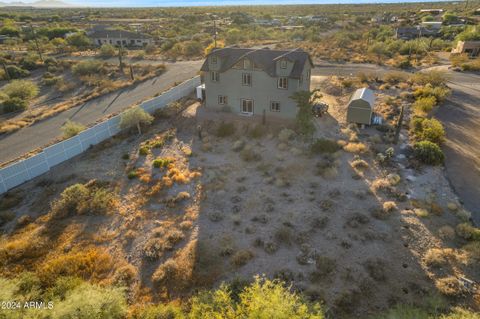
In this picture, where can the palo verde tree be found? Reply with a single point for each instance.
(304, 119)
(135, 117)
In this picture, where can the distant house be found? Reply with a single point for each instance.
(321, 19)
(432, 11)
(409, 33)
(268, 22)
(472, 48)
(255, 81)
(119, 37)
(360, 107)
(432, 24)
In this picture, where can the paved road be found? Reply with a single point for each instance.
(41, 133)
(460, 115)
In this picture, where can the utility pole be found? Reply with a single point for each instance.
(120, 53)
(36, 42)
(215, 32)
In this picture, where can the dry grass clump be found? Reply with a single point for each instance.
(225, 129)
(468, 232)
(249, 155)
(162, 240)
(92, 264)
(421, 212)
(327, 167)
(24, 247)
(473, 252)
(324, 266)
(449, 286)
(360, 164)
(125, 275)
(241, 257)
(355, 148)
(389, 206)
(381, 184)
(283, 235)
(376, 269)
(437, 257)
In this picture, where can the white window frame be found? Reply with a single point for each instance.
(274, 109)
(214, 76)
(281, 85)
(242, 101)
(247, 76)
(283, 64)
(247, 64)
(222, 99)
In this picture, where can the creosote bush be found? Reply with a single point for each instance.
(225, 129)
(323, 145)
(428, 153)
(424, 129)
(71, 129)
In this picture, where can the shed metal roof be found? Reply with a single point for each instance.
(364, 94)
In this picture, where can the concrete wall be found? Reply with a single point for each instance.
(262, 91)
(27, 169)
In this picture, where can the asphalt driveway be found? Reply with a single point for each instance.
(41, 133)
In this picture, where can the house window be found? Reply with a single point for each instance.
(274, 106)
(247, 106)
(222, 99)
(300, 81)
(214, 59)
(283, 83)
(283, 64)
(214, 76)
(247, 79)
(246, 64)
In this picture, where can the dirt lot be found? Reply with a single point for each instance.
(235, 199)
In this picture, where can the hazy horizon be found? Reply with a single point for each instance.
(196, 3)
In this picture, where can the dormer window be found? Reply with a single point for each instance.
(246, 64)
(283, 64)
(214, 59)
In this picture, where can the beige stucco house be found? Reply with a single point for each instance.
(472, 48)
(255, 81)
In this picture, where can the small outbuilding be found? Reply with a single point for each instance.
(360, 107)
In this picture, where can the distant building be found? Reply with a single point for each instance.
(3, 38)
(119, 37)
(409, 33)
(255, 82)
(432, 24)
(360, 107)
(268, 22)
(472, 48)
(320, 19)
(432, 11)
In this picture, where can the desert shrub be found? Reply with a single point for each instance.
(405, 312)
(225, 129)
(323, 145)
(5, 217)
(360, 164)
(249, 155)
(283, 235)
(166, 271)
(427, 129)
(71, 129)
(395, 77)
(324, 265)
(468, 232)
(262, 299)
(14, 104)
(258, 131)
(91, 264)
(436, 257)
(161, 162)
(88, 67)
(16, 72)
(107, 50)
(434, 78)
(449, 286)
(424, 104)
(22, 89)
(160, 311)
(389, 206)
(439, 92)
(132, 174)
(91, 301)
(376, 269)
(79, 199)
(135, 117)
(355, 148)
(52, 80)
(428, 153)
(241, 257)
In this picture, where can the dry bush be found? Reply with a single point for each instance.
(421, 212)
(468, 232)
(166, 271)
(355, 148)
(389, 206)
(446, 232)
(376, 269)
(283, 235)
(323, 267)
(381, 184)
(92, 264)
(225, 129)
(437, 257)
(241, 257)
(449, 286)
(360, 164)
(23, 248)
(249, 155)
(125, 275)
(473, 252)
(162, 240)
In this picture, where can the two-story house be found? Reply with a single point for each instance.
(254, 81)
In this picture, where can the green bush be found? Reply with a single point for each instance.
(71, 129)
(434, 78)
(14, 104)
(324, 145)
(161, 162)
(144, 151)
(16, 72)
(107, 51)
(428, 153)
(135, 117)
(22, 89)
(132, 174)
(88, 68)
(427, 129)
(424, 104)
(439, 92)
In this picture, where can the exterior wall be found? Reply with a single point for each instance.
(360, 112)
(262, 91)
(24, 170)
(117, 41)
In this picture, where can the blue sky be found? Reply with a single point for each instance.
(170, 3)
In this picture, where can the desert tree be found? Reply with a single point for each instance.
(304, 119)
(135, 117)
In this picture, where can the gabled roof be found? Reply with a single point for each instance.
(104, 33)
(263, 58)
(364, 94)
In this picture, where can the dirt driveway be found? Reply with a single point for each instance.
(460, 115)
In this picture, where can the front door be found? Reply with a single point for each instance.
(247, 107)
